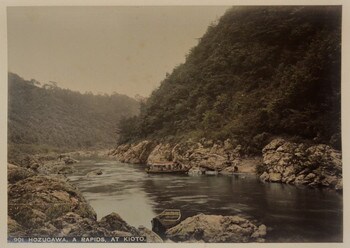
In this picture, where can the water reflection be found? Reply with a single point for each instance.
(291, 214)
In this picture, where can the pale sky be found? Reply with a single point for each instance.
(104, 49)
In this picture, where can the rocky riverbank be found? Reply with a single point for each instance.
(302, 164)
(282, 161)
(42, 203)
(187, 157)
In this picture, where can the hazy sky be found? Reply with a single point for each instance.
(104, 49)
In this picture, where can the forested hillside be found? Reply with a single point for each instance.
(48, 118)
(259, 72)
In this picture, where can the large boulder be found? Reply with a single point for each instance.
(37, 200)
(302, 164)
(113, 222)
(216, 228)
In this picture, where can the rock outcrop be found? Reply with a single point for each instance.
(216, 228)
(44, 204)
(45, 165)
(188, 156)
(38, 200)
(302, 164)
(134, 153)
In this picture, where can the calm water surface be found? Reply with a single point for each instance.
(291, 214)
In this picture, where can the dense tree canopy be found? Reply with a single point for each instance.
(259, 70)
(47, 118)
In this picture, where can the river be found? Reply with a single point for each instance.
(291, 214)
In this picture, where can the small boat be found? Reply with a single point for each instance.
(169, 167)
(165, 220)
(153, 171)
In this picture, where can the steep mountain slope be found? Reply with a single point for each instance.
(45, 118)
(260, 71)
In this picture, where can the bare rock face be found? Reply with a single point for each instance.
(161, 154)
(134, 153)
(216, 228)
(302, 164)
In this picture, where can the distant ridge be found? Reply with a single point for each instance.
(48, 118)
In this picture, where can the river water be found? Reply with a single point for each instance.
(291, 214)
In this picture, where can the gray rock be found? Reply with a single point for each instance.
(300, 179)
(37, 200)
(215, 228)
(162, 153)
(290, 179)
(113, 222)
(41, 203)
(260, 233)
(265, 176)
(310, 177)
(135, 153)
(275, 177)
(302, 164)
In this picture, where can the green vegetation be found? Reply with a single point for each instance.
(261, 71)
(48, 118)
